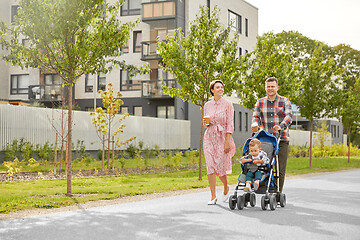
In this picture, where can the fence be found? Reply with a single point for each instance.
(37, 125)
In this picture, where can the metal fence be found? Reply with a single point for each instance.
(39, 125)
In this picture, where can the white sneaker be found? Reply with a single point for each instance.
(256, 185)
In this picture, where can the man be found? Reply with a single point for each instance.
(273, 114)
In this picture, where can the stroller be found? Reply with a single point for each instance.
(269, 183)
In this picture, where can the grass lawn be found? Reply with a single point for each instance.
(22, 195)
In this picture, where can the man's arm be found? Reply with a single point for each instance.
(285, 123)
(256, 116)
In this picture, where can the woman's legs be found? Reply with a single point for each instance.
(224, 181)
(212, 184)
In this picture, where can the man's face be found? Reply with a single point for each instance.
(271, 88)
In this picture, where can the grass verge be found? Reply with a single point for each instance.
(21, 195)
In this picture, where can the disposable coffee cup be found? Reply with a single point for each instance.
(255, 127)
(207, 120)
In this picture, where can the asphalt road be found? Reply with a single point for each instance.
(324, 206)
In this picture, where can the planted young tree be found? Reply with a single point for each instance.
(349, 111)
(319, 90)
(268, 60)
(323, 134)
(104, 118)
(208, 52)
(70, 38)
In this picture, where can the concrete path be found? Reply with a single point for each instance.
(324, 206)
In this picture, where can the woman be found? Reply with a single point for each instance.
(219, 147)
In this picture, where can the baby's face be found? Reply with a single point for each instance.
(254, 151)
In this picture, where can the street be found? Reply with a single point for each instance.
(324, 206)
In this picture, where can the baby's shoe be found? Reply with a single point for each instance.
(256, 185)
(247, 188)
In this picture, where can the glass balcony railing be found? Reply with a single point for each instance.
(153, 89)
(52, 92)
(152, 10)
(149, 51)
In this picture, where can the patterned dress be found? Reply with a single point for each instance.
(221, 114)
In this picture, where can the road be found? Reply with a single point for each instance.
(325, 206)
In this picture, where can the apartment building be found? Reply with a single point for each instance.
(141, 94)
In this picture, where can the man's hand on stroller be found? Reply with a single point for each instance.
(277, 128)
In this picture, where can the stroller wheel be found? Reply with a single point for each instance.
(263, 203)
(241, 202)
(252, 199)
(273, 202)
(232, 202)
(282, 200)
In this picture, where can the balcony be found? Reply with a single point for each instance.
(158, 10)
(45, 93)
(152, 88)
(149, 51)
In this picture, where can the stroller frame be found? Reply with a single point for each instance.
(272, 196)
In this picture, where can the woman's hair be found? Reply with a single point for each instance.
(212, 84)
(255, 142)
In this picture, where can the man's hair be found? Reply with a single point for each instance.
(272, 79)
(255, 142)
(212, 84)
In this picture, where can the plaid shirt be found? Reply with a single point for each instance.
(268, 113)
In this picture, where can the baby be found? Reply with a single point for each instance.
(255, 158)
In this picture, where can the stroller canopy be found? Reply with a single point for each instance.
(263, 136)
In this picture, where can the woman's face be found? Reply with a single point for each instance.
(218, 89)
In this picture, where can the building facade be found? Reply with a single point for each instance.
(141, 94)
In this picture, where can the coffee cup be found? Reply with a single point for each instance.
(254, 127)
(207, 120)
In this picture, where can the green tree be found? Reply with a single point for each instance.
(70, 38)
(103, 120)
(319, 90)
(323, 134)
(208, 52)
(268, 60)
(349, 111)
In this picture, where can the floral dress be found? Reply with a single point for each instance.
(221, 114)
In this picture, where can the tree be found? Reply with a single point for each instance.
(349, 110)
(319, 90)
(208, 52)
(70, 38)
(268, 60)
(103, 120)
(323, 134)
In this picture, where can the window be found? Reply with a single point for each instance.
(240, 121)
(25, 42)
(138, 111)
(166, 112)
(101, 81)
(246, 27)
(246, 51)
(338, 131)
(125, 49)
(240, 51)
(137, 41)
(52, 79)
(208, 6)
(124, 110)
(14, 12)
(128, 83)
(131, 7)
(246, 122)
(89, 82)
(234, 21)
(19, 84)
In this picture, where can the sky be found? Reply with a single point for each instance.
(329, 21)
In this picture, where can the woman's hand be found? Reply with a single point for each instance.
(227, 147)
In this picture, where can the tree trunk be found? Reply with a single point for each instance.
(201, 141)
(55, 154)
(113, 153)
(310, 152)
(61, 155)
(109, 140)
(103, 152)
(68, 144)
(349, 143)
